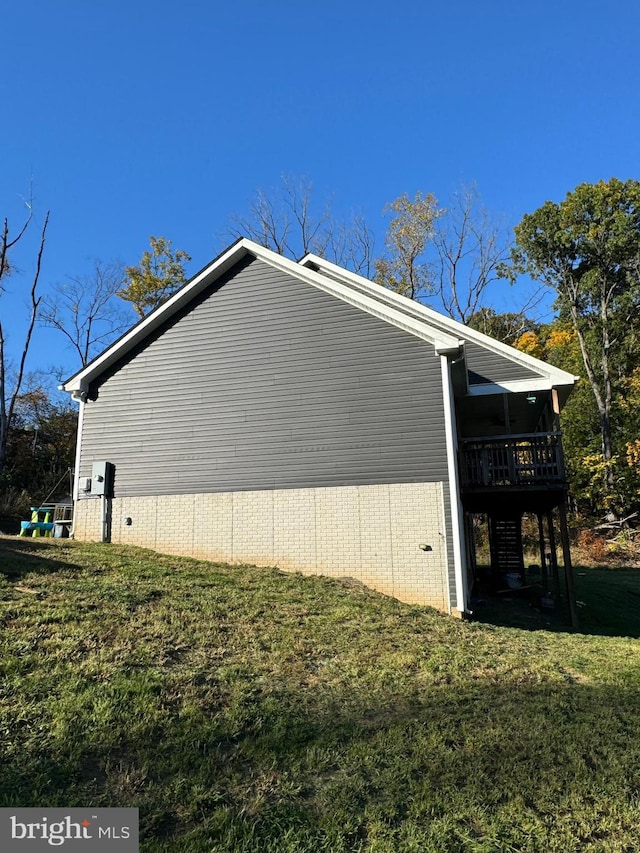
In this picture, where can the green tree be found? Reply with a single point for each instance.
(558, 344)
(587, 249)
(40, 450)
(159, 274)
(627, 413)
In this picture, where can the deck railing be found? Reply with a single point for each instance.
(512, 460)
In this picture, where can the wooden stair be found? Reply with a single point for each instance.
(506, 545)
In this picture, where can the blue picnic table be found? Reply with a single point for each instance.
(36, 526)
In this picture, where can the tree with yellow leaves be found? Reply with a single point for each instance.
(159, 274)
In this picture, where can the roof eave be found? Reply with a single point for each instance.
(448, 325)
(446, 335)
(440, 338)
(80, 380)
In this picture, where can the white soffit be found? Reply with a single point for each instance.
(517, 386)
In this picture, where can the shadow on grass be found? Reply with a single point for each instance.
(23, 555)
(608, 604)
(328, 772)
(301, 747)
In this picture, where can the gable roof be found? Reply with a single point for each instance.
(446, 335)
(555, 376)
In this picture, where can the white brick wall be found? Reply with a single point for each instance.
(337, 532)
(213, 527)
(294, 523)
(372, 533)
(87, 519)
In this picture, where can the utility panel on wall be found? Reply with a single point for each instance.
(102, 479)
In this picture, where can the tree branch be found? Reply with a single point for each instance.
(6, 413)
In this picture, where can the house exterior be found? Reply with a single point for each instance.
(298, 415)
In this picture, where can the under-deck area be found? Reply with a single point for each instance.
(504, 479)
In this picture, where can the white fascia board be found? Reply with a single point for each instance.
(398, 312)
(447, 324)
(442, 340)
(383, 294)
(80, 381)
(78, 454)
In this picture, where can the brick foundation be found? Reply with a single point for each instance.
(372, 533)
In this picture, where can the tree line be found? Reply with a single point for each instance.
(584, 251)
(38, 427)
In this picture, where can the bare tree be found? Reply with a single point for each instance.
(85, 309)
(266, 224)
(470, 248)
(451, 256)
(351, 245)
(286, 221)
(8, 397)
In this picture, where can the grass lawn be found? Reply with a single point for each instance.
(244, 709)
(608, 603)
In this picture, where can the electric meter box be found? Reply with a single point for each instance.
(102, 479)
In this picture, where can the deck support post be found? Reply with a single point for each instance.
(568, 566)
(553, 552)
(543, 558)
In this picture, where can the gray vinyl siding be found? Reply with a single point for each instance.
(267, 382)
(484, 365)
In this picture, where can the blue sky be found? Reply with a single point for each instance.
(137, 118)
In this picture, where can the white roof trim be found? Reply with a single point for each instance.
(439, 338)
(80, 381)
(453, 327)
(442, 339)
(446, 335)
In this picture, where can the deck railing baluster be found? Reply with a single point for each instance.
(512, 460)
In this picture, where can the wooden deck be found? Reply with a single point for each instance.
(512, 460)
(517, 473)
